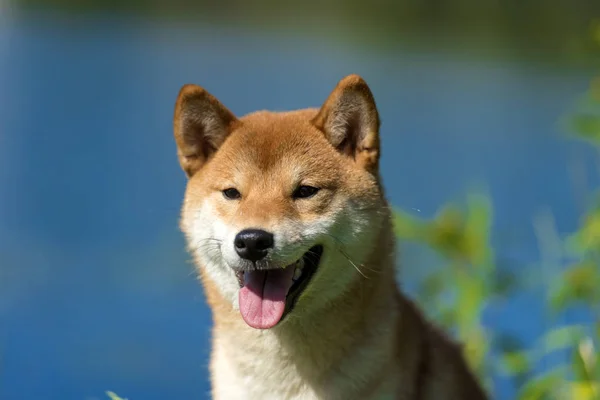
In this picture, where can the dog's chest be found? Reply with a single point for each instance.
(262, 369)
(264, 372)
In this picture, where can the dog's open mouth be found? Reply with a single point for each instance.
(267, 296)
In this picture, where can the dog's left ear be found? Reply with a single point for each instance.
(350, 121)
(200, 124)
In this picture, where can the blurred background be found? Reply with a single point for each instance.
(484, 104)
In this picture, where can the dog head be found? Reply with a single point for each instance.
(281, 209)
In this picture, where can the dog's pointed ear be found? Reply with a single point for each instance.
(350, 121)
(201, 124)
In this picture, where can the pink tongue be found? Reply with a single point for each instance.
(262, 299)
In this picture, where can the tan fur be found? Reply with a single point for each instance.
(352, 334)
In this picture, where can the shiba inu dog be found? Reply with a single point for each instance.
(286, 218)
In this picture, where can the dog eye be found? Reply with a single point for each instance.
(231, 194)
(304, 192)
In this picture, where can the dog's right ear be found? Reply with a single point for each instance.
(350, 121)
(201, 124)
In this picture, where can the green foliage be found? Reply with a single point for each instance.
(469, 282)
(459, 290)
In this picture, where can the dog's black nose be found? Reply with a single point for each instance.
(253, 244)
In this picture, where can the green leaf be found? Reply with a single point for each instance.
(585, 360)
(541, 386)
(407, 226)
(587, 238)
(471, 298)
(515, 363)
(587, 127)
(561, 338)
(476, 347)
(583, 390)
(477, 230)
(578, 283)
(446, 233)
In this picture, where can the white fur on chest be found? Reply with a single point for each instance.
(258, 367)
(259, 370)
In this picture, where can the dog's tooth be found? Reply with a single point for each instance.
(300, 263)
(297, 273)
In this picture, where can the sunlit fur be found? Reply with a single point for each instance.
(352, 334)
